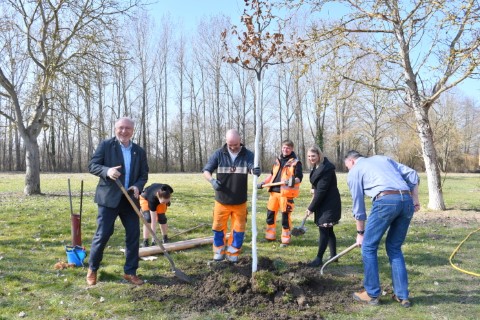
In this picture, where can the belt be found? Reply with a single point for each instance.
(387, 192)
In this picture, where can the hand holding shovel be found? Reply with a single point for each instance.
(290, 183)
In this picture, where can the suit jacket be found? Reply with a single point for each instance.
(109, 154)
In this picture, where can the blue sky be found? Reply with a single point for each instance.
(190, 12)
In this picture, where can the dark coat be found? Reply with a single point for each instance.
(326, 203)
(109, 154)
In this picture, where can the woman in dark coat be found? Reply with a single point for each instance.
(325, 204)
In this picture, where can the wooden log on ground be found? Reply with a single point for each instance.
(175, 246)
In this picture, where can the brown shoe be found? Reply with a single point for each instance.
(91, 277)
(362, 296)
(133, 279)
(403, 302)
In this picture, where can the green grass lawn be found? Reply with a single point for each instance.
(34, 231)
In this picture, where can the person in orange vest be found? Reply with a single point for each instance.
(232, 163)
(154, 201)
(286, 167)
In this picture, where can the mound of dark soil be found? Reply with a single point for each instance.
(277, 291)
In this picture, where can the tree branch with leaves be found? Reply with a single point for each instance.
(259, 46)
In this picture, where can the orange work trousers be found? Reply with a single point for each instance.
(237, 214)
(277, 203)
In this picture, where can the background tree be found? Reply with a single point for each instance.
(427, 47)
(53, 34)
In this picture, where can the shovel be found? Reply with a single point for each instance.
(344, 252)
(298, 231)
(188, 230)
(290, 183)
(178, 273)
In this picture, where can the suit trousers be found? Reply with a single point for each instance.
(105, 228)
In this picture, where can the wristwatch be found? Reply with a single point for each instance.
(361, 232)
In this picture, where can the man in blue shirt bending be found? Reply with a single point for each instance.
(393, 188)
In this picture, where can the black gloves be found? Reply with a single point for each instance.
(260, 185)
(257, 171)
(217, 185)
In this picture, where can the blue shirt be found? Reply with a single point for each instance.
(370, 176)
(127, 159)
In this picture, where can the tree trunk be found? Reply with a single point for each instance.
(435, 194)
(255, 178)
(32, 174)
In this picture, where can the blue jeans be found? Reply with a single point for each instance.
(393, 212)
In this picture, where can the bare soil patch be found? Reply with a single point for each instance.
(278, 290)
(453, 218)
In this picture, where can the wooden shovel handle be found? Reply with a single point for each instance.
(145, 223)
(344, 252)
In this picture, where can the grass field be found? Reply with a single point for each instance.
(34, 231)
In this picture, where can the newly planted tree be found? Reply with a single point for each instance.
(257, 48)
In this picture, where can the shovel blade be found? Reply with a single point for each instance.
(182, 276)
(298, 231)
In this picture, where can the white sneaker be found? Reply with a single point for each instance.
(218, 257)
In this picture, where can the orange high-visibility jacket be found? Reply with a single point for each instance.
(288, 171)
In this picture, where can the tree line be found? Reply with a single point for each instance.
(71, 68)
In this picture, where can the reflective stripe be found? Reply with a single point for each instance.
(218, 250)
(270, 233)
(286, 236)
(233, 169)
(232, 250)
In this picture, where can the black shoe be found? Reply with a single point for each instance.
(145, 243)
(317, 262)
(153, 243)
(165, 239)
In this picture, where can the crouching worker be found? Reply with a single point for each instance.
(233, 162)
(154, 201)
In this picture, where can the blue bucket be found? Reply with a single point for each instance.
(76, 255)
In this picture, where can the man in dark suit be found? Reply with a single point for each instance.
(117, 158)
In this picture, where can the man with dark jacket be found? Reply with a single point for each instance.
(117, 158)
(233, 162)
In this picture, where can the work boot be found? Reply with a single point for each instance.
(218, 256)
(133, 279)
(317, 262)
(165, 239)
(362, 296)
(145, 243)
(233, 259)
(403, 302)
(91, 277)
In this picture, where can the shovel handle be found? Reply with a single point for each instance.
(145, 223)
(266, 185)
(70, 197)
(344, 252)
(307, 214)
